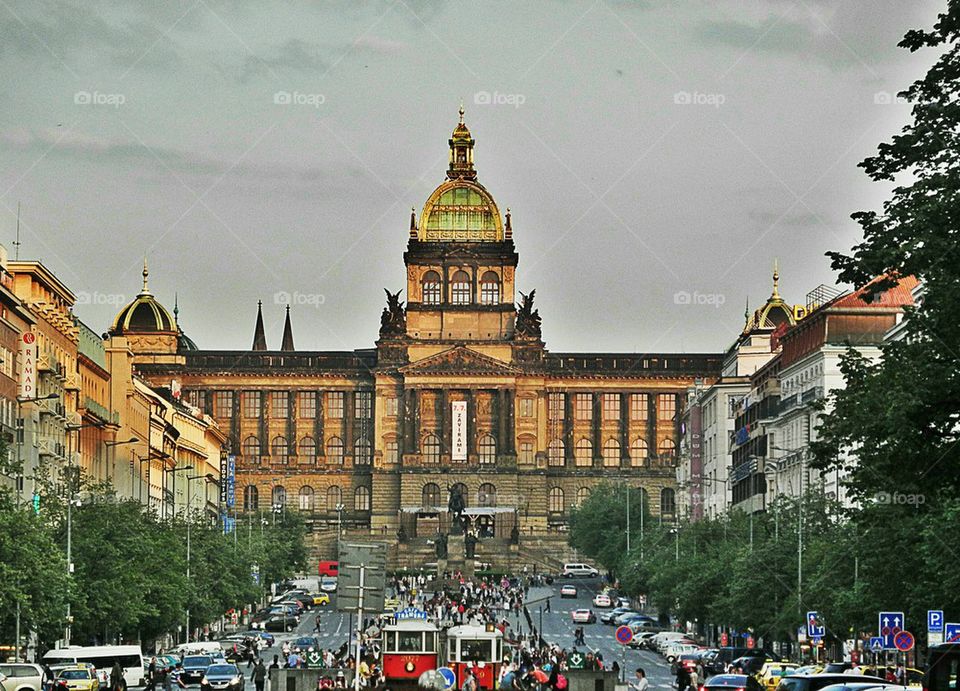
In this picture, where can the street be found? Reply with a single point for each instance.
(557, 628)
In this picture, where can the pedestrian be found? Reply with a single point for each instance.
(683, 678)
(152, 674)
(469, 681)
(259, 675)
(117, 682)
(276, 662)
(548, 605)
(900, 676)
(640, 683)
(693, 681)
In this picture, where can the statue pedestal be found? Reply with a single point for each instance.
(455, 551)
(441, 567)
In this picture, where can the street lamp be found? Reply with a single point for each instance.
(173, 492)
(340, 508)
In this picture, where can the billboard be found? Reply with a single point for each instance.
(458, 451)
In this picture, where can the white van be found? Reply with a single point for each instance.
(214, 648)
(578, 570)
(665, 638)
(102, 657)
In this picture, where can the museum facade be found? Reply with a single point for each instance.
(459, 394)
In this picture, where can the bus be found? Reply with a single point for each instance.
(102, 657)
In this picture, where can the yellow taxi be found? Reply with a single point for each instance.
(769, 675)
(914, 676)
(320, 598)
(80, 677)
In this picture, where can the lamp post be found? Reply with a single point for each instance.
(171, 471)
(209, 478)
(340, 508)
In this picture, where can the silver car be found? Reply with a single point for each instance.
(21, 676)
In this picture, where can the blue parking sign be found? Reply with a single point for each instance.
(935, 621)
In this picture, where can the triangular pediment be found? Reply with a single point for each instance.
(460, 360)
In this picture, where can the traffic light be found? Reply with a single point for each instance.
(36, 504)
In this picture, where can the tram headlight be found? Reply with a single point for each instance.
(409, 666)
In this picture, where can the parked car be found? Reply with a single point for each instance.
(865, 686)
(674, 652)
(621, 601)
(608, 617)
(583, 616)
(222, 677)
(568, 591)
(328, 584)
(641, 640)
(726, 655)
(194, 667)
(771, 672)
(304, 643)
(578, 570)
(723, 682)
(320, 598)
(279, 622)
(21, 676)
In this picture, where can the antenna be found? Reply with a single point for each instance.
(16, 243)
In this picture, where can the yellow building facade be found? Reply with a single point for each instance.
(458, 396)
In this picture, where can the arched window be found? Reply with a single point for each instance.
(430, 496)
(335, 450)
(487, 495)
(361, 499)
(488, 449)
(251, 449)
(279, 448)
(430, 288)
(462, 488)
(362, 452)
(251, 498)
(555, 453)
(667, 449)
(391, 451)
(490, 288)
(279, 496)
(583, 452)
(460, 288)
(583, 493)
(308, 450)
(611, 453)
(431, 449)
(639, 452)
(306, 498)
(334, 497)
(668, 501)
(555, 502)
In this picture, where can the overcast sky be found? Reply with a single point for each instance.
(648, 150)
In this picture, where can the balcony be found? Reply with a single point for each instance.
(52, 407)
(47, 363)
(96, 410)
(73, 382)
(49, 447)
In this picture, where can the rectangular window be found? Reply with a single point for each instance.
(335, 404)
(251, 405)
(391, 451)
(555, 405)
(390, 406)
(279, 404)
(611, 407)
(638, 407)
(526, 407)
(307, 404)
(363, 405)
(584, 406)
(526, 452)
(223, 404)
(666, 407)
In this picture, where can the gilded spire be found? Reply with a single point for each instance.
(461, 111)
(176, 309)
(746, 310)
(776, 278)
(461, 152)
(146, 273)
(287, 341)
(259, 337)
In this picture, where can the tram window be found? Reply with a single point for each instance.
(474, 651)
(409, 641)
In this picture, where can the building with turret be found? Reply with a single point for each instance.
(459, 396)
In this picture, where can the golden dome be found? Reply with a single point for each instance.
(144, 314)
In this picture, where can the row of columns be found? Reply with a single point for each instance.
(504, 408)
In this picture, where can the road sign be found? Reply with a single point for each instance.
(904, 641)
(373, 557)
(951, 633)
(934, 621)
(314, 659)
(876, 643)
(723, 639)
(815, 627)
(890, 624)
(934, 638)
(624, 635)
(575, 660)
(449, 678)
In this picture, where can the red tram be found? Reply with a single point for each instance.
(410, 648)
(479, 648)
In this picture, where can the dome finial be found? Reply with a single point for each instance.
(176, 309)
(461, 111)
(146, 273)
(776, 277)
